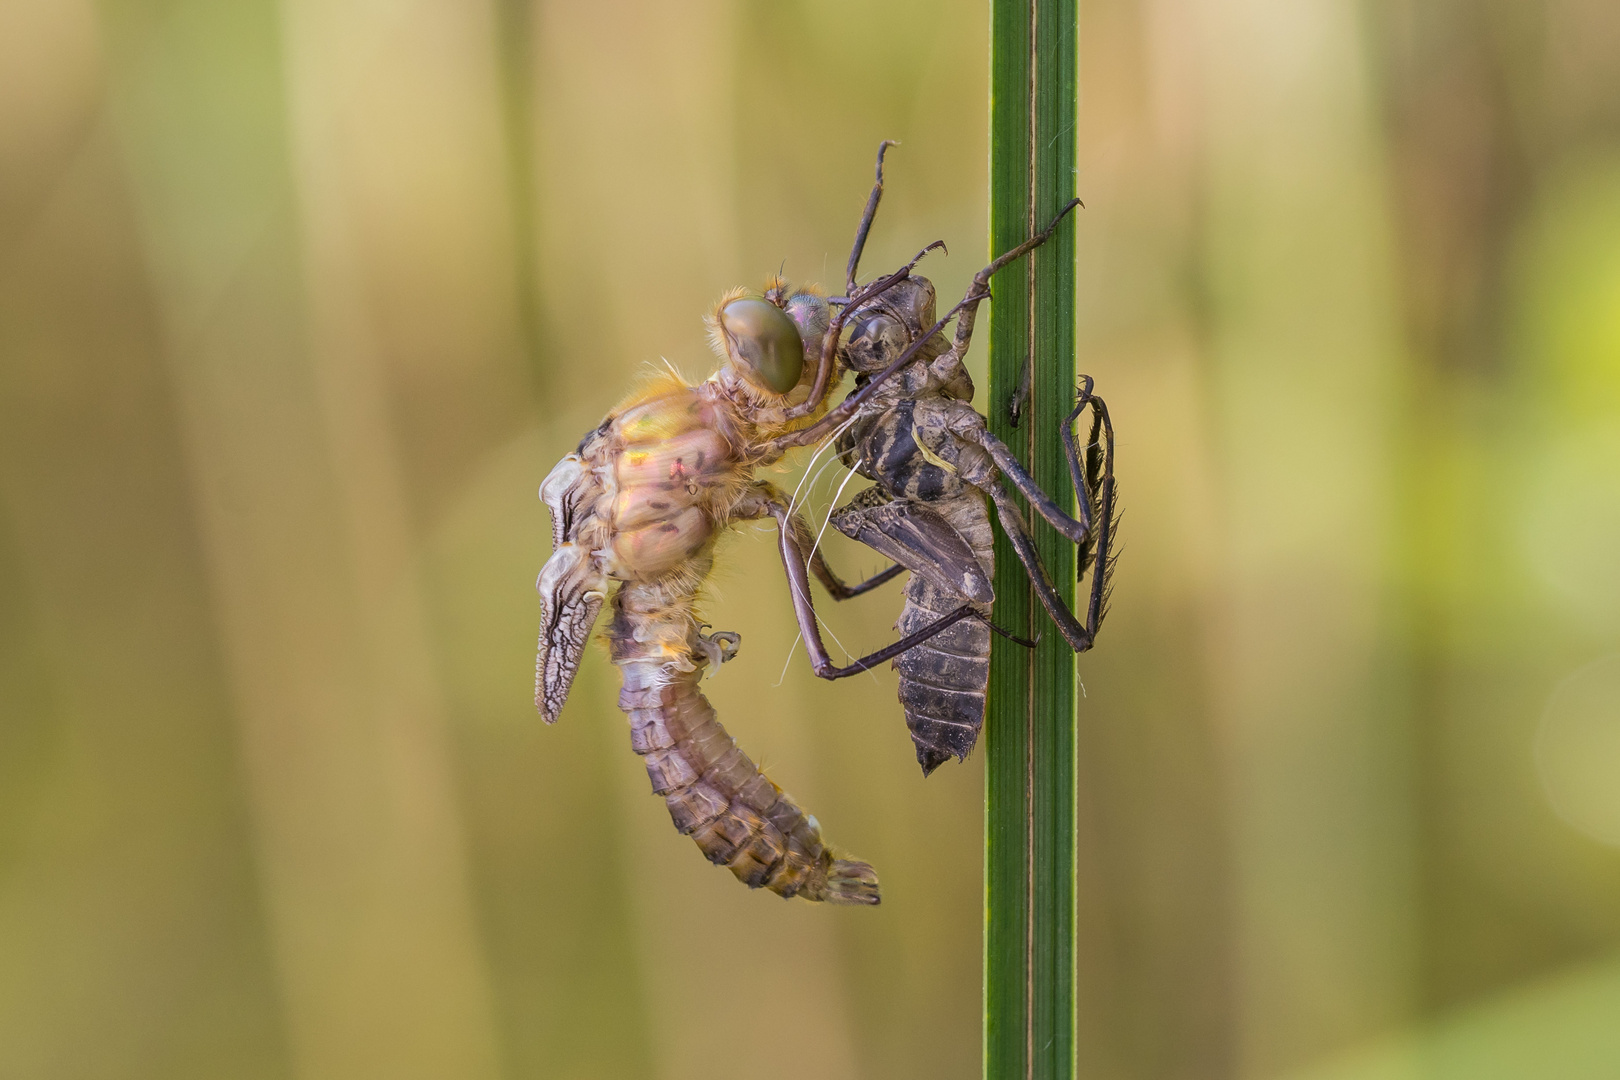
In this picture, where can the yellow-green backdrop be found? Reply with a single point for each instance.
(299, 301)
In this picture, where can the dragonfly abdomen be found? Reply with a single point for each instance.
(715, 794)
(943, 680)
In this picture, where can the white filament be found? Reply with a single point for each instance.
(828, 441)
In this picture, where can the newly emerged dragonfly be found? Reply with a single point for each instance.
(636, 510)
(635, 513)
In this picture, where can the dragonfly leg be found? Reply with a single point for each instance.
(835, 585)
(964, 313)
(768, 499)
(1094, 481)
(1080, 636)
(1077, 531)
(1093, 476)
(866, 219)
(838, 590)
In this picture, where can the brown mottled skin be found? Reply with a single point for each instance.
(904, 441)
(937, 468)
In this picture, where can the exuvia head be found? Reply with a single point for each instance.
(884, 328)
(773, 341)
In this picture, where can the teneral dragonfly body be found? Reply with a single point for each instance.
(635, 513)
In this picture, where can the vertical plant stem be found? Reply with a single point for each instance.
(1029, 787)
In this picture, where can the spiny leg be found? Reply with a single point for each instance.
(866, 219)
(1078, 532)
(1093, 535)
(1096, 482)
(980, 288)
(838, 590)
(1095, 489)
(1093, 481)
(977, 292)
(767, 499)
(1080, 637)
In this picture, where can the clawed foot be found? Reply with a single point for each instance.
(1083, 396)
(718, 647)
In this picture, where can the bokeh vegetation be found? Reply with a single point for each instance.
(299, 301)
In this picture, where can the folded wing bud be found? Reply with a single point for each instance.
(566, 490)
(572, 585)
(571, 595)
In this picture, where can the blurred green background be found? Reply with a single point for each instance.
(300, 301)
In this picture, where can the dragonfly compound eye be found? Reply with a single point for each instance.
(766, 341)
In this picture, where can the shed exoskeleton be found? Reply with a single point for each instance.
(934, 463)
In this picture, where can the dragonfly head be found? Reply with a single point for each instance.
(884, 327)
(772, 341)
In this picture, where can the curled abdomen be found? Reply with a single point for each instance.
(739, 818)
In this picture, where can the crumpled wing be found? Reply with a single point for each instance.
(920, 540)
(572, 586)
(569, 492)
(571, 595)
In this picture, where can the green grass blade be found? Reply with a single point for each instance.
(1029, 787)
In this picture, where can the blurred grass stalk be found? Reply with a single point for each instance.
(305, 529)
(1029, 960)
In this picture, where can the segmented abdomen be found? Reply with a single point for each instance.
(943, 680)
(715, 794)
